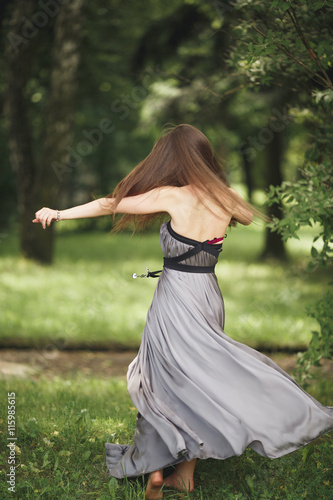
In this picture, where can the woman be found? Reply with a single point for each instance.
(198, 393)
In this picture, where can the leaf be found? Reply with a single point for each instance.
(318, 5)
(307, 452)
(314, 252)
(249, 481)
(113, 485)
(274, 4)
(86, 455)
(285, 6)
(45, 460)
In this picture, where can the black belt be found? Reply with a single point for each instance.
(186, 268)
(175, 262)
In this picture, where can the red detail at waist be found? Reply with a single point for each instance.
(215, 240)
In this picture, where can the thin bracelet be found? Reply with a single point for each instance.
(58, 216)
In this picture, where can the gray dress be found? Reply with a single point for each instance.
(198, 392)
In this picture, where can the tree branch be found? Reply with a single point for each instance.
(205, 88)
(284, 49)
(312, 54)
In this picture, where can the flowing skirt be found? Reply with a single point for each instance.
(200, 394)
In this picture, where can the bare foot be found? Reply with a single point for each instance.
(180, 483)
(154, 486)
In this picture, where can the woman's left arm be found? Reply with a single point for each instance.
(156, 200)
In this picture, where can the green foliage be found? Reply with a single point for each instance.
(321, 345)
(288, 43)
(307, 201)
(285, 43)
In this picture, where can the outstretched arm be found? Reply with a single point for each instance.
(156, 200)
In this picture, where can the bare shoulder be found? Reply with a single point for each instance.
(185, 194)
(167, 195)
(176, 195)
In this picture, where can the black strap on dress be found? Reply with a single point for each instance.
(175, 262)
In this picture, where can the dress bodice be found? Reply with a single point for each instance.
(174, 244)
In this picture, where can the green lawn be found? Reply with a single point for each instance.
(62, 426)
(88, 294)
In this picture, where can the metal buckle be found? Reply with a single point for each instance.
(134, 275)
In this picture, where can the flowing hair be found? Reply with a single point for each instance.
(181, 157)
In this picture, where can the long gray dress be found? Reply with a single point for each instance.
(198, 392)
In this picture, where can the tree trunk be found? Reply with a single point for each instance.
(38, 184)
(17, 60)
(274, 245)
(247, 166)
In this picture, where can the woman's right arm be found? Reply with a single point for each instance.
(156, 200)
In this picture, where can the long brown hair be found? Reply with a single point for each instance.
(181, 157)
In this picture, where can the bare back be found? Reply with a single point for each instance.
(198, 218)
(192, 219)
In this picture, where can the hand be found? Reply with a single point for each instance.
(45, 216)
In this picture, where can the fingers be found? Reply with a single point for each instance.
(45, 216)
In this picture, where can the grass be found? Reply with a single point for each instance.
(88, 294)
(62, 426)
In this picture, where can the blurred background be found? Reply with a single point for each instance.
(86, 88)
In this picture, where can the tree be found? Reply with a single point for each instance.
(105, 122)
(306, 202)
(33, 150)
(274, 245)
(289, 42)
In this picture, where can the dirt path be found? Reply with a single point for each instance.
(38, 363)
